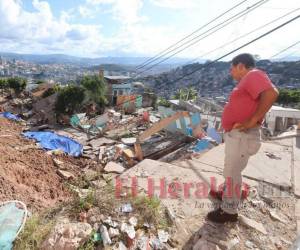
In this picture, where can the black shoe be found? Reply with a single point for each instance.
(220, 216)
(218, 195)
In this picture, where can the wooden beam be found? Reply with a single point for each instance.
(162, 124)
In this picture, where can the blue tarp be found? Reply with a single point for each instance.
(212, 132)
(201, 145)
(11, 219)
(10, 116)
(51, 141)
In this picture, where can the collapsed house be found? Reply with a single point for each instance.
(180, 144)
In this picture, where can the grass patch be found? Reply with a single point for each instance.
(34, 233)
(150, 210)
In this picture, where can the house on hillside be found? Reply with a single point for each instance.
(279, 119)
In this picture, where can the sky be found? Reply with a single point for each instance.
(101, 28)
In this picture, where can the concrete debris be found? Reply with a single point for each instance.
(65, 174)
(113, 232)
(69, 236)
(113, 167)
(253, 224)
(133, 221)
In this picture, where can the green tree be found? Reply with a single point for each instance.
(289, 96)
(17, 84)
(96, 89)
(186, 94)
(69, 99)
(3, 83)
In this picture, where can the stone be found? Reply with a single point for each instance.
(203, 244)
(65, 174)
(113, 167)
(58, 163)
(249, 244)
(91, 174)
(253, 224)
(67, 236)
(109, 177)
(275, 216)
(98, 184)
(232, 243)
(297, 214)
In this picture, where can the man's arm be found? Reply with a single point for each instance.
(266, 100)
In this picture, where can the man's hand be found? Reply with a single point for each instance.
(251, 123)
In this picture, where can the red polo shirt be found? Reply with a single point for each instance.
(244, 98)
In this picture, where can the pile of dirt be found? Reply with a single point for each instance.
(27, 173)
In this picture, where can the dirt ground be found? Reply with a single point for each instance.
(27, 173)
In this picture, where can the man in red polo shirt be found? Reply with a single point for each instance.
(248, 103)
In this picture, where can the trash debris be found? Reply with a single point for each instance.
(105, 235)
(50, 141)
(163, 236)
(13, 215)
(272, 156)
(97, 237)
(126, 208)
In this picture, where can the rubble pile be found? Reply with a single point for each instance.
(89, 212)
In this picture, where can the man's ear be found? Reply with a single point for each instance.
(241, 66)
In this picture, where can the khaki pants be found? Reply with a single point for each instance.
(239, 146)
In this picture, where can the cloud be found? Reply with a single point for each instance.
(176, 4)
(40, 29)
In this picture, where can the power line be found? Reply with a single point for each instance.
(291, 46)
(242, 46)
(242, 36)
(194, 32)
(234, 18)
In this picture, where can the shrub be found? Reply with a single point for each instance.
(17, 84)
(69, 99)
(51, 91)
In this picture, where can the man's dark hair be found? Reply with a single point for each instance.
(246, 59)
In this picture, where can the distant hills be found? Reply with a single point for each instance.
(85, 61)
